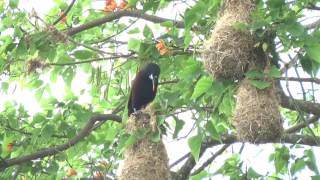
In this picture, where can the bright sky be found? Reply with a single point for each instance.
(253, 155)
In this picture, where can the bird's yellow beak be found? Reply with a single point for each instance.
(153, 86)
(153, 82)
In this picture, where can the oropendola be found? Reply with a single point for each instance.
(144, 88)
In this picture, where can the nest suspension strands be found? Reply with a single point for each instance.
(145, 159)
(229, 51)
(257, 117)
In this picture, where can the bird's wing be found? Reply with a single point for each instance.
(130, 108)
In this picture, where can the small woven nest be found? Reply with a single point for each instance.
(257, 117)
(229, 51)
(144, 160)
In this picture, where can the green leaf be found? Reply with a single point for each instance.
(130, 141)
(178, 127)
(167, 24)
(317, 177)
(260, 84)
(274, 72)
(265, 47)
(306, 63)
(201, 175)
(311, 162)
(195, 146)
(187, 39)
(147, 32)
(5, 86)
(252, 174)
(47, 131)
(281, 159)
(254, 74)
(195, 13)
(13, 3)
(35, 84)
(132, 2)
(155, 136)
(313, 52)
(134, 31)
(134, 45)
(201, 87)
(298, 165)
(213, 131)
(227, 104)
(296, 29)
(83, 54)
(22, 48)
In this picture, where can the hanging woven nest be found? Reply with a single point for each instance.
(144, 160)
(257, 117)
(229, 51)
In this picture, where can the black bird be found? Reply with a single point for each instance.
(144, 88)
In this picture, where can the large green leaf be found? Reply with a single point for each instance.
(202, 86)
(195, 146)
(313, 51)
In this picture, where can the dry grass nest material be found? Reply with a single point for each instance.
(144, 160)
(229, 51)
(257, 117)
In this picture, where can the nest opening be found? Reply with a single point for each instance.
(257, 117)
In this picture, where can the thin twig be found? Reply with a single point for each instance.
(209, 161)
(179, 160)
(64, 14)
(92, 60)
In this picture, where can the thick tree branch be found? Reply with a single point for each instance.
(118, 15)
(59, 148)
(303, 124)
(314, 80)
(293, 104)
(185, 170)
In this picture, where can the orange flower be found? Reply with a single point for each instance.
(163, 51)
(162, 48)
(71, 172)
(64, 18)
(98, 175)
(10, 147)
(160, 44)
(110, 6)
(122, 5)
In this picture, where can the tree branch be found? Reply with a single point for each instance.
(59, 148)
(185, 170)
(91, 60)
(306, 106)
(314, 80)
(209, 161)
(303, 124)
(118, 15)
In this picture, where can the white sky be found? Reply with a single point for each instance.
(255, 156)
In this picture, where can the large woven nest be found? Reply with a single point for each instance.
(229, 51)
(144, 160)
(257, 118)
